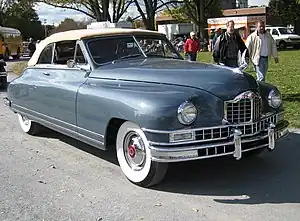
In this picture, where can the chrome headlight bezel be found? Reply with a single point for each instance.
(274, 98)
(187, 113)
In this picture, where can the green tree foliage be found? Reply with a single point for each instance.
(196, 11)
(96, 9)
(288, 10)
(70, 24)
(22, 16)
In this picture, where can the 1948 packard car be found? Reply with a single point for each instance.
(131, 90)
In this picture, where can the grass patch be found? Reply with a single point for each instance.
(18, 67)
(286, 76)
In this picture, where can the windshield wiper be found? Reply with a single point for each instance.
(127, 56)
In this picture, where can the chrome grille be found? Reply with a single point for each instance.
(246, 107)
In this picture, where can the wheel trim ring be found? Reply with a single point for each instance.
(134, 150)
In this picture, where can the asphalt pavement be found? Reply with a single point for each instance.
(54, 177)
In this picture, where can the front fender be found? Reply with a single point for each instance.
(151, 106)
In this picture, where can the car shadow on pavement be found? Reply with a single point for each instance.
(108, 155)
(272, 177)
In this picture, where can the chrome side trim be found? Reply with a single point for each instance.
(55, 119)
(68, 132)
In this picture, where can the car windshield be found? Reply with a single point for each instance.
(111, 49)
(285, 31)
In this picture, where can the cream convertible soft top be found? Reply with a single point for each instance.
(80, 34)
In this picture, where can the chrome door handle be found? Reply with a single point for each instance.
(46, 73)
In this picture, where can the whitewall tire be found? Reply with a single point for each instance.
(134, 156)
(28, 126)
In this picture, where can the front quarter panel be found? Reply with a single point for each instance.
(151, 106)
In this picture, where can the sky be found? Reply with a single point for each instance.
(52, 15)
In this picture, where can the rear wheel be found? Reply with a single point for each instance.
(134, 157)
(282, 45)
(29, 126)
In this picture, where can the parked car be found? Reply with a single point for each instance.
(129, 89)
(26, 51)
(284, 37)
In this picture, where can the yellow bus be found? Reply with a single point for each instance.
(10, 43)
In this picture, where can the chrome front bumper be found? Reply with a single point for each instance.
(236, 144)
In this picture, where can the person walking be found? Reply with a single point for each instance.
(261, 47)
(31, 47)
(227, 46)
(218, 32)
(192, 47)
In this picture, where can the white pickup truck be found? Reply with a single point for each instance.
(284, 37)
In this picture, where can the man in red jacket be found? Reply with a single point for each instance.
(192, 46)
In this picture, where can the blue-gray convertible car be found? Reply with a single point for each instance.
(131, 90)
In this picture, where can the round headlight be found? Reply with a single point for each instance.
(187, 113)
(274, 99)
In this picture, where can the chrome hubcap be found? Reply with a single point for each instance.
(134, 151)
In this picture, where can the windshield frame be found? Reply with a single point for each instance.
(133, 36)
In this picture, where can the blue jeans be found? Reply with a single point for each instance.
(262, 68)
(192, 56)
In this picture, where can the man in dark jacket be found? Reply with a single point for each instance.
(31, 47)
(227, 46)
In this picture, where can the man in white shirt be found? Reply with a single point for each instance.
(261, 47)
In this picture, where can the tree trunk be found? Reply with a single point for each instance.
(201, 19)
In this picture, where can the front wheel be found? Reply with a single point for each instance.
(134, 157)
(29, 126)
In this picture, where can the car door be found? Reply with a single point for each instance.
(275, 34)
(58, 85)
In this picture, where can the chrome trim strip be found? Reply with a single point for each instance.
(62, 128)
(55, 119)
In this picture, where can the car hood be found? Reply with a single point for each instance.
(220, 81)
